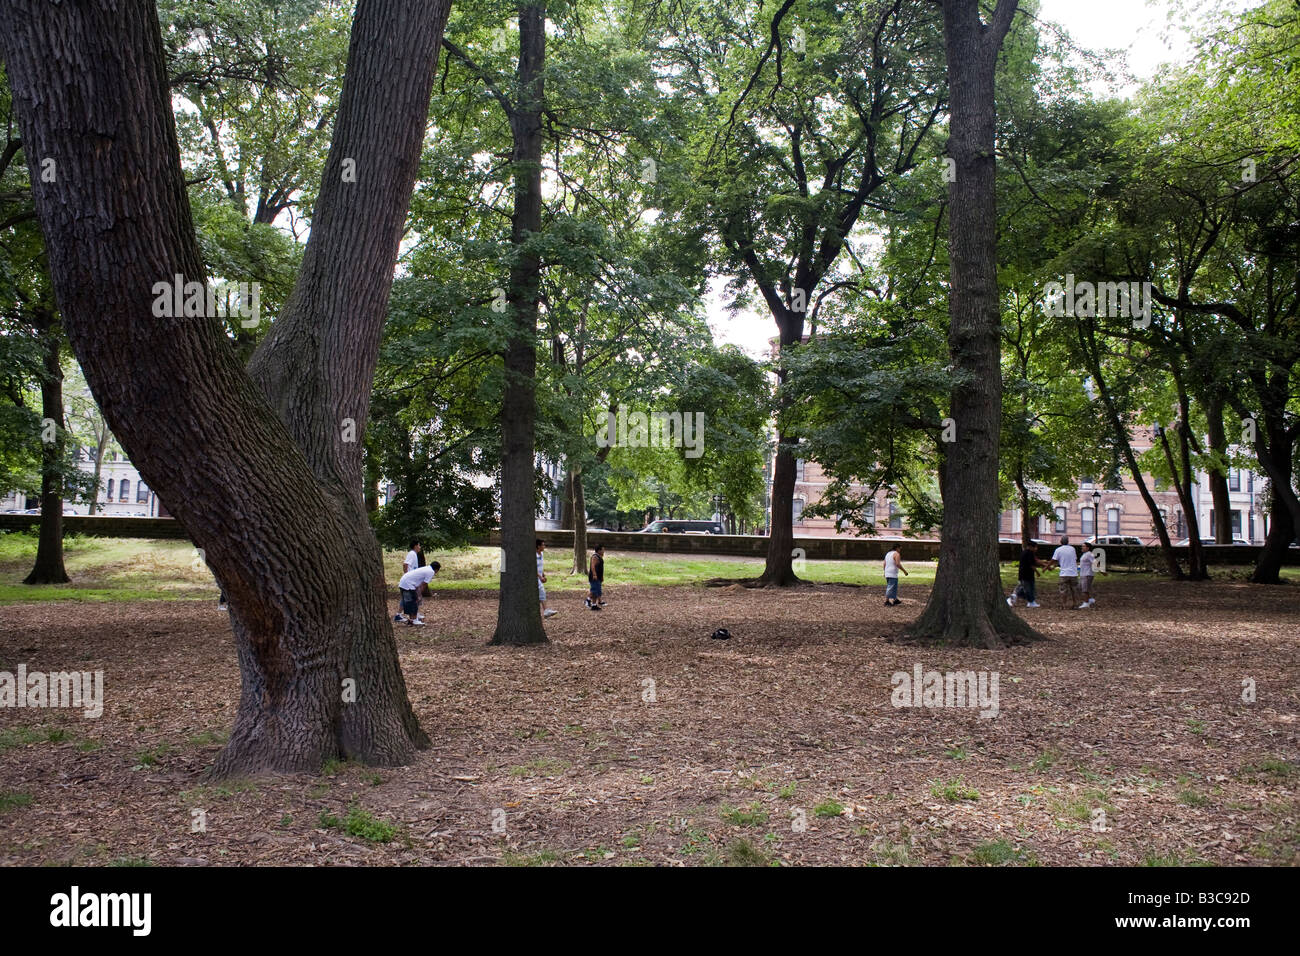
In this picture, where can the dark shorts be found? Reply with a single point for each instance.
(595, 588)
(410, 602)
(1027, 589)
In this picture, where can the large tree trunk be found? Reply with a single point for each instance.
(293, 547)
(49, 567)
(779, 569)
(519, 617)
(966, 605)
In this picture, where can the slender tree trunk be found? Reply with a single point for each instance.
(293, 548)
(1026, 530)
(566, 501)
(579, 504)
(49, 567)
(1217, 479)
(967, 606)
(519, 618)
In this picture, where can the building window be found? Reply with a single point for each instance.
(1236, 524)
(1112, 521)
(798, 469)
(1164, 519)
(110, 489)
(870, 512)
(1157, 483)
(1234, 479)
(1088, 521)
(1060, 521)
(141, 492)
(1086, 483)
(895, 516)
(124, 490)
(797, 510)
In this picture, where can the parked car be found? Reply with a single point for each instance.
(1116, 541)
(1187, 541)
(674, 526)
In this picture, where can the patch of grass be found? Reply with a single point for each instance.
(131, 861)
(752, 816)
(1197, 727)
(741, 852)
(1172, 858)
(540, 858)
(1078, 808)
(286, 821)
(1000, 853)
(1189, 797)
(788, 790)
(22, 736)
(13, 799)
(828, 808)
(953, 790)
(151, 756)
(89, 744)
(208, 738)
(541, 767)
(361, 823)
(646, 778)
(1045, 760)
(331, 767)
(885, 852)
(1268, 770)
(959, 753)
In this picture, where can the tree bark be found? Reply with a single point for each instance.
(579, 499)
(49, 567)
(276, 505)
(519, 618)
(1217, 480)
(967, 606)
(779, 569)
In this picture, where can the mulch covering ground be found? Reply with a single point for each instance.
(632, 738)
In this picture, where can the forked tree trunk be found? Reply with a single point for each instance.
(519, 616)
(49, 567)
(967, 606)
(1274, 447)
(259, 467)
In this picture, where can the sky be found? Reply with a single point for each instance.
(1149, 32)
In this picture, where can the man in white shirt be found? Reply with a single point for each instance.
(410, 586)
(414, 559)
(1067, 560)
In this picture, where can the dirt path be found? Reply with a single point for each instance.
(779, 745)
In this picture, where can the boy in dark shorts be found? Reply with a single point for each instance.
(596, 578)
(1029, 565)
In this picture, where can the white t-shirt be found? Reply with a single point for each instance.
(1085, 564)
(412, 579)
(539, 565)
(1068, 560)
(891, 564)
(412, 561)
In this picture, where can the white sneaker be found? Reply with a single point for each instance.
(1011, 602)
(1082, 607)
(1091, 601)
(549, 612)
(417, 623)
(419, 619)
(1033, 604)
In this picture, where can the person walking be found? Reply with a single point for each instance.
(414, 559)
(541, 580)
(1067, 560)
(893, 564)
(1027, 588)
(1088, 567)
(596, 578)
